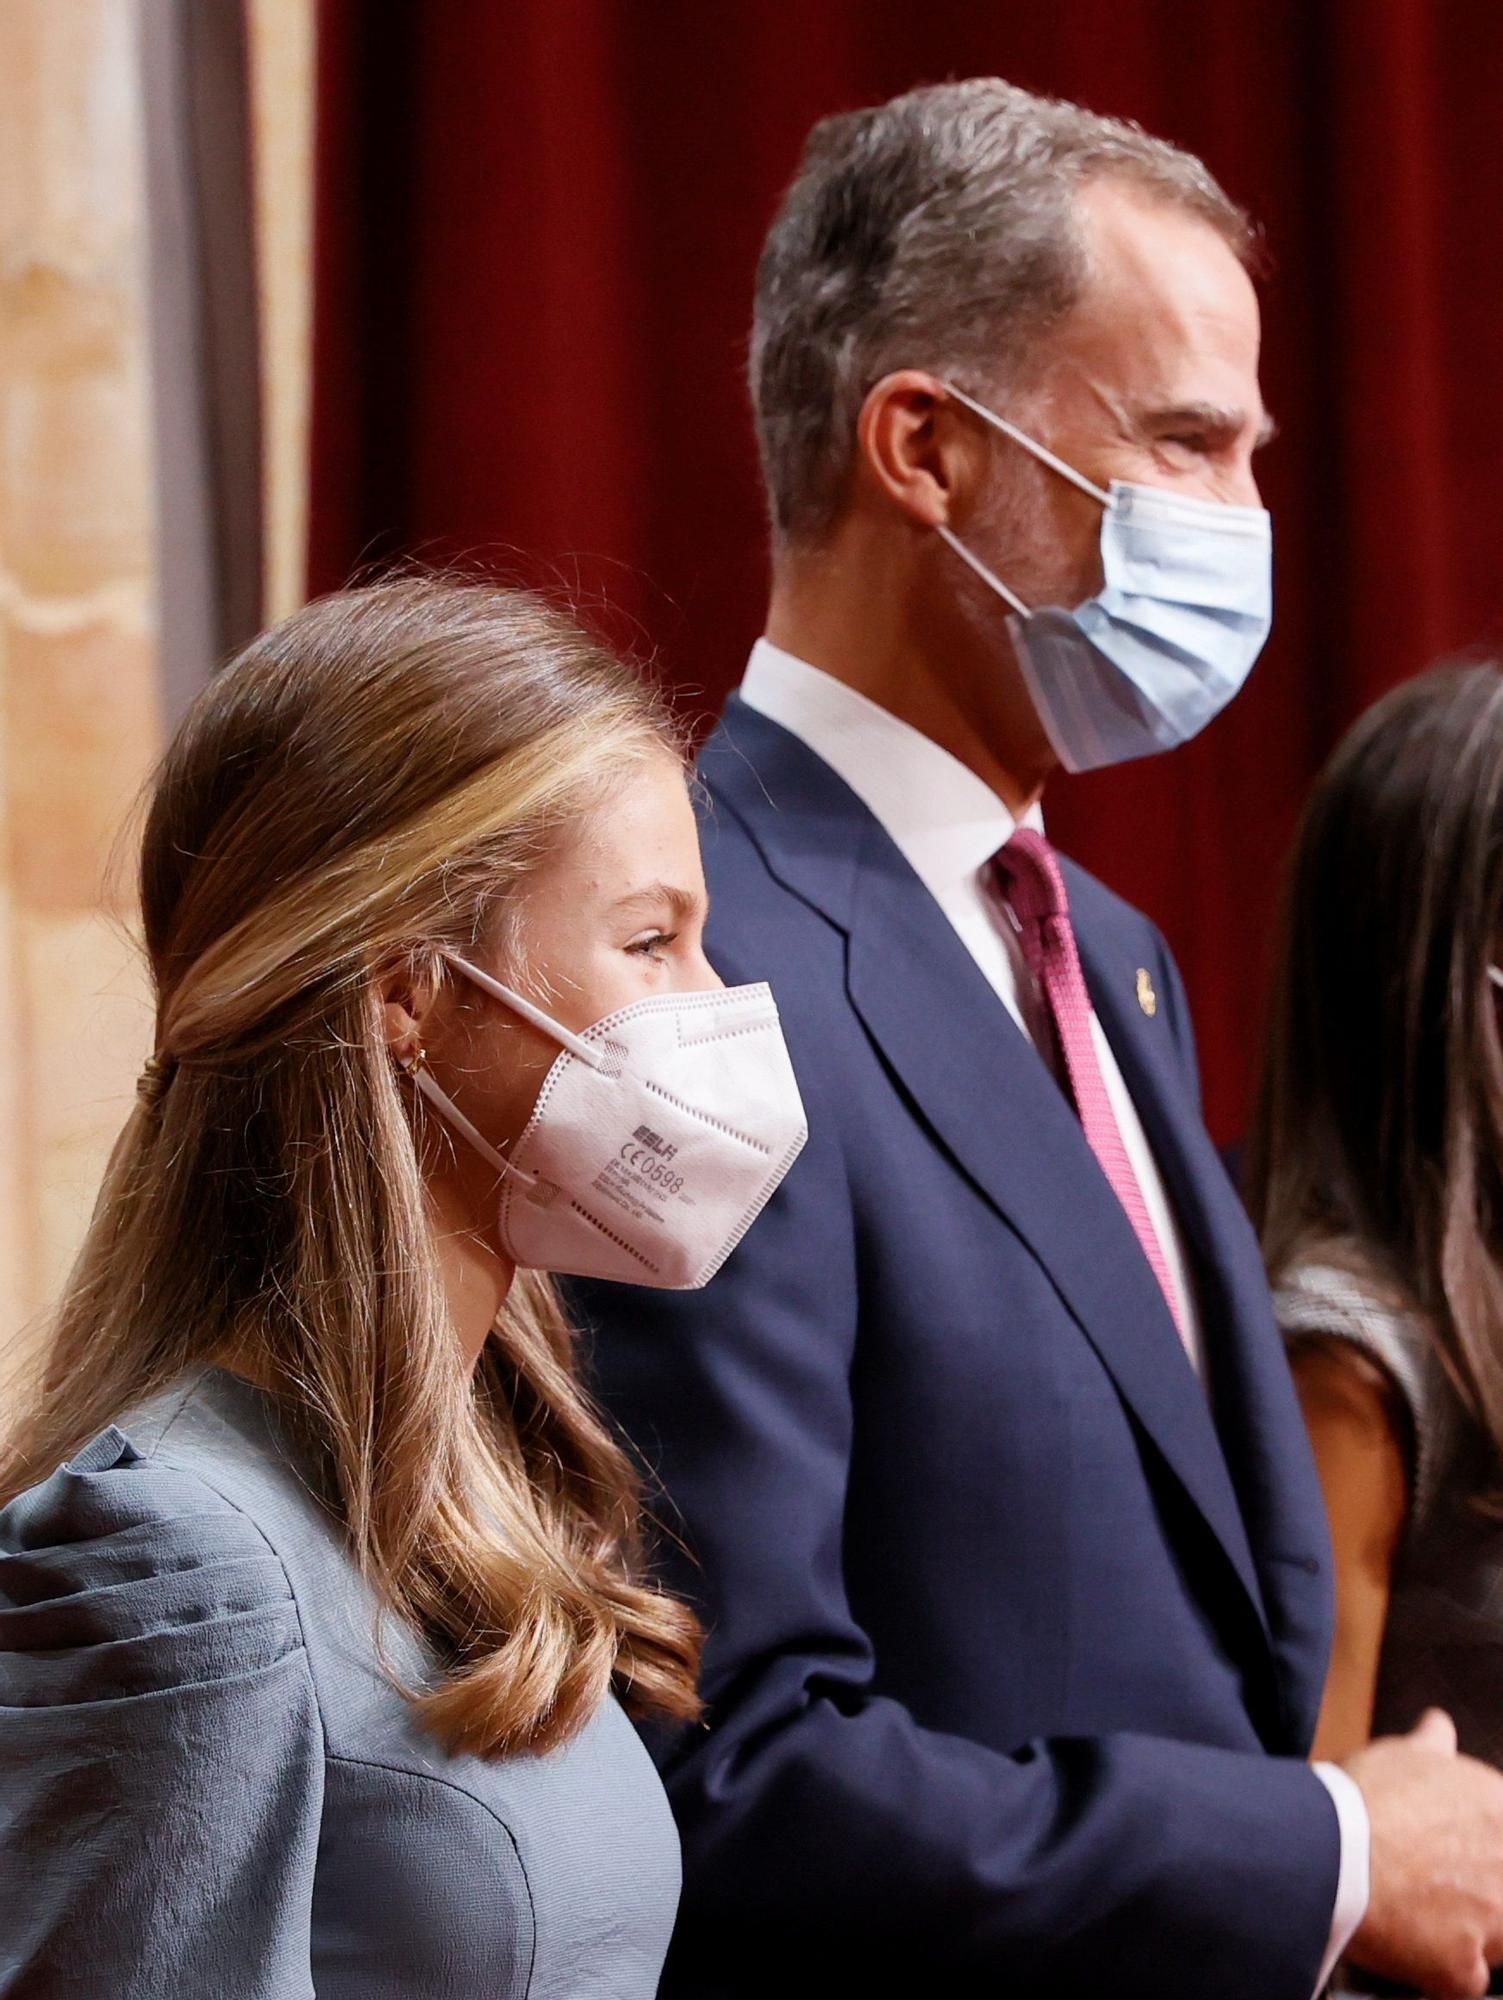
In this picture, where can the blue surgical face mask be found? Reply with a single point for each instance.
(1182, 613)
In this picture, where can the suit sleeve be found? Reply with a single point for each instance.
(160, 1751)
(818, 1812)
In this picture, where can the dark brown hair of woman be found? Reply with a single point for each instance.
(370, 783)
(1379, 1119)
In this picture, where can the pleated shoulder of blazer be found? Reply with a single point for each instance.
(210, 1787)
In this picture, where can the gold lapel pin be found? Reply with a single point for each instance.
(1148, 1000)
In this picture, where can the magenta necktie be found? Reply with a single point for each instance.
(1030, 878)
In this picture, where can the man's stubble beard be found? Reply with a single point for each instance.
(1011, 533)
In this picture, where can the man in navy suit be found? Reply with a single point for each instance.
(981, 1450)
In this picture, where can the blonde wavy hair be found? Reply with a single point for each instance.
(368, 784)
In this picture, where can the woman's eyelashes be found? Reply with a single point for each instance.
(653, 946)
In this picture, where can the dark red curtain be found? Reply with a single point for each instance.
(538, 221)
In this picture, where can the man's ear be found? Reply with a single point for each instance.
(914, 449)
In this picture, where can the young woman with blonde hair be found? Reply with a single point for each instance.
(317, 1569)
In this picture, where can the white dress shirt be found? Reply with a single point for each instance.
(948, 825)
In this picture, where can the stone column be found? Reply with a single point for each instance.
(79, 708)
(282, 52)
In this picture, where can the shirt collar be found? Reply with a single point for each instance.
(944, 820)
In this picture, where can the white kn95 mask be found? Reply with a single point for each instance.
(657, 1138)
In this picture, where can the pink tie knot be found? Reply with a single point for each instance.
(1031, 880)
(1031, 873)
(1030, 877)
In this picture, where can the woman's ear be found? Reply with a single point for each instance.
(406, 990)
(911, 446)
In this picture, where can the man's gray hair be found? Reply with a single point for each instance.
(937, 232)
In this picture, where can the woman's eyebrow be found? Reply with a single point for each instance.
(682, 902)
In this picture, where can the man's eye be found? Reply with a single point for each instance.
(652, 947)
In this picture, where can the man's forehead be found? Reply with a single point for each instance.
(1167, 318)
(1134, 230)
(1156, 271)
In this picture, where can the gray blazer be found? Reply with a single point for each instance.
(210, 1791)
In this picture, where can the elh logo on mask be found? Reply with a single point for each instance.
(1184, 608)
(657, 1138)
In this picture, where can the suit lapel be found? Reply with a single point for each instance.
(1266, 1447)
(982, 1089)
(1226, 1260)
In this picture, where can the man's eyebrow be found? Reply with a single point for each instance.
(682, 902)
(1219, 420)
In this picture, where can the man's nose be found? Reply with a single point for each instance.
(1243, 488)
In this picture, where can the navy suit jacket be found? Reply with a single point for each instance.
(1017, 1629)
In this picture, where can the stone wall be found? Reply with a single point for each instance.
(81, 702)
(79, 724)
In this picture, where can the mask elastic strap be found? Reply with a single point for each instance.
(1040, 451)
(588, 1052)
(986, 575)
(450, 1111)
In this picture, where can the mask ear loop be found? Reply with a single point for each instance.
(439, 1098)
(1046, 457)
(1009, 597)
(587, 1052)
(1040, 451)
(450, 1112)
